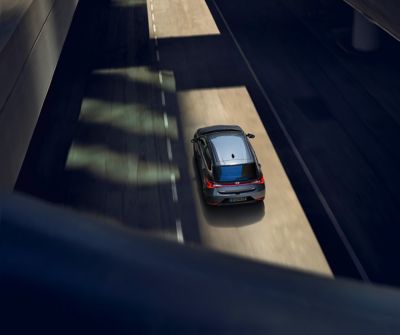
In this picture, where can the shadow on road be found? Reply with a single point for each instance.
(234, 216)
(99, 145)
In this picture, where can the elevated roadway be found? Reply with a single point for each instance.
(114, 137)
(138, 77)
(194, 49)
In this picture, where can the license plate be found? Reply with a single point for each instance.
(238, 199)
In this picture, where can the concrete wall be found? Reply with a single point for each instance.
(11, 12)
(27, 65)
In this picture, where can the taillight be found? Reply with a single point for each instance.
(210, 184)
(259, 181)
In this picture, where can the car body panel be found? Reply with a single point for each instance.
(222, 146)
(230, 149)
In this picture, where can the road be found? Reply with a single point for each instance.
(113, 140)
(137, 78)
(272, 233)
(341, 111)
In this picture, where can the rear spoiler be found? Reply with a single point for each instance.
(218, 128)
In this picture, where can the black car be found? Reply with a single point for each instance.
(227, 165)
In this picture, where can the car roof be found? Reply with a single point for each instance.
(230, 148)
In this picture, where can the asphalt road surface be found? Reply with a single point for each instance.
(341, 110)
(137, 78)
(113, 141)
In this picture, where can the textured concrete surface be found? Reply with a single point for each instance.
(11, 13)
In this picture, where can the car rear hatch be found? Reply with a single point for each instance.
(236, 179)
(236, 189)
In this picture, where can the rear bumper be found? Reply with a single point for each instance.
(215, 198)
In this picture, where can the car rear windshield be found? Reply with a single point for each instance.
(232, 173)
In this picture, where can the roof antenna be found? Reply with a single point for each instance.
(233, 156)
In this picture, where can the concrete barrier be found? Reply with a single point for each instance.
(27, 64)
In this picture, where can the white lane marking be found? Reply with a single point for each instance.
(165, 120)
(179, 232)
(174, 190)
(163, 98)
(303, 164)
(169, 149)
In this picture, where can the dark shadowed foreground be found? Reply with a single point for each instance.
(63, 274)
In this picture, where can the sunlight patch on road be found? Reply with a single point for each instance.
(278, 231)
(141, 75)
(132, 118)
(181, 18)
(126, 169)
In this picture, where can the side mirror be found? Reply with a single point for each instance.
(193, 140)
(250, 135)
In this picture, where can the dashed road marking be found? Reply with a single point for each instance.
(174, 190)
(163, 98)
(169, 149)
(165, 120)
(179, 232)
(178, 221)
